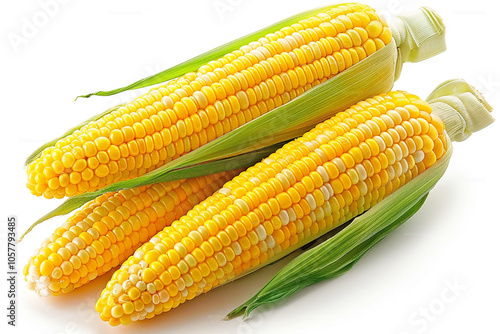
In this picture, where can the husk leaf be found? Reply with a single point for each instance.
(461, 107)
(419, 35)
(339, 267)
(194, 63)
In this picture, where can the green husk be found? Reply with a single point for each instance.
(193, 64)
(339, 267)
(461, 107)
(419, 35)
(338, 254)
(33, 156)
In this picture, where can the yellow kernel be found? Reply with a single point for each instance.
(173, 256)
(428, 144)
(370, 47)
(166, 278)
(207, 249)
(172, 289)
(53, 183)
(93, 162)
(174, 272)
(284, 199)
(79, 165)
(114, 152)
(87, 174)
(102, 143)
(75, 178)
(102, 171)
(386, 35)
(68, 160)
(134, 293)
(374, 29)
(128, 308)
(117, 311)
(429, 159)
(102, 157)
(89, 149)
(151, 256)
(146, 298)
(116, 137)
(46, 268)
(56, 259)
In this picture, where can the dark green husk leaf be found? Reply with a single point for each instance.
(334, 269)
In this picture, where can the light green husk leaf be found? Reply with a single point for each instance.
(33, 156)
(338, 254)
(195, 63)
(461, 107)
(419, 35)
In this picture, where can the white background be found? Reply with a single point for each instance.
(91, 45)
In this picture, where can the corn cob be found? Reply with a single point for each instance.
(463, 111)
(109, 229)
(188, 112)
(313, 184)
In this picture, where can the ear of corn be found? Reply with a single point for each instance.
(180, 116)
(338, 254)
(109, 229)
(341, 168)
(186, 113)
(373, 75)
(463, 111)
